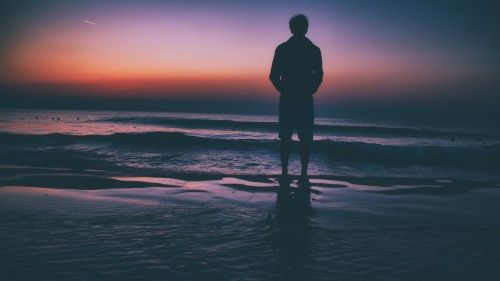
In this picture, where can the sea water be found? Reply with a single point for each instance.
(207, 231)
(435, 217)
(153, 143)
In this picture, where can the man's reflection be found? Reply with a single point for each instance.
(292, 238)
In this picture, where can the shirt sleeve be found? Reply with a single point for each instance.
(276, 70)
(318, 70)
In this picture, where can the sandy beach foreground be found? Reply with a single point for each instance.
(81, 225)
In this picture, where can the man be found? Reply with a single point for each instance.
(296, 73)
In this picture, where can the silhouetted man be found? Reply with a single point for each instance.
(297, 73)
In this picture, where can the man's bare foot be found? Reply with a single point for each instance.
(304, 181)
(285, 180)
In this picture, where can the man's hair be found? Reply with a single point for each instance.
(299, 24)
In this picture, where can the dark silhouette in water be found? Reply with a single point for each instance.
(297, 73)
(294, 235)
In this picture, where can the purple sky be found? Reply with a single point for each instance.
(414, 51)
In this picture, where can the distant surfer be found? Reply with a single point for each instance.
(296, 73)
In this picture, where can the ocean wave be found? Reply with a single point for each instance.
(273, 126)
(138, 139)
(193, 123)
(480, 156)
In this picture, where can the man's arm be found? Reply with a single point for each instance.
(276, 70)
(318, 70)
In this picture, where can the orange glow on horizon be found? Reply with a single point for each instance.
(192, 52)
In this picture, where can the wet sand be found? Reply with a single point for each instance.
(81, 225)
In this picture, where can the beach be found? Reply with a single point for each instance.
(117, 195)
(80, 225)
(249, 140)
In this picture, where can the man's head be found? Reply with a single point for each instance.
(299, 24)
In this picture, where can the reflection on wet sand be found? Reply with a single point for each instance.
(293, 235)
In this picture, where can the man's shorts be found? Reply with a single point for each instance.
(299, 115)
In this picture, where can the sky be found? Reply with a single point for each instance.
(374, 52)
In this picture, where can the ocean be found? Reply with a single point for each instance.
(117, 195)
(152, 143)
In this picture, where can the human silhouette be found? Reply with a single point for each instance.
(294, 233)
(297, 73)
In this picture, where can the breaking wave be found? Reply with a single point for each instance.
(480, 156)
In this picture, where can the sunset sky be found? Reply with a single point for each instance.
(394, 51)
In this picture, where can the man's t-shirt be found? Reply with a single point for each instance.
(297, 70)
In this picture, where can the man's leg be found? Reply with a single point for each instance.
(305, 128)
(286, 123)
(285, 148)
(305, 152)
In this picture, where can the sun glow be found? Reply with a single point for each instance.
(174, 48)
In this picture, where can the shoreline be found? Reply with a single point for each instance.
(94, 180)
(84, 225)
